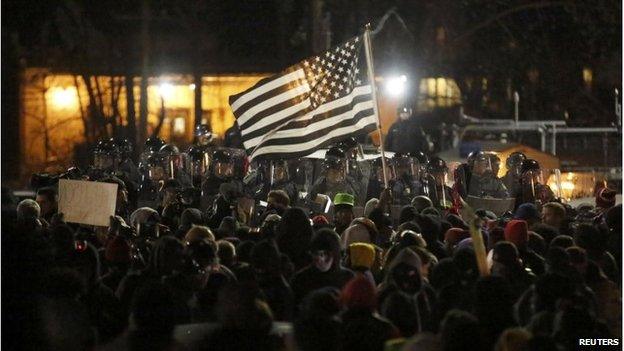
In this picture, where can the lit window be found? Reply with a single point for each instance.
(63, 98)
(588, 76)
(438, 92)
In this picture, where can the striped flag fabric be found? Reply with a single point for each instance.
(310, 105)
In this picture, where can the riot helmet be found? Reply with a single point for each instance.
(514, 162)
(203, 135)
(481, 164)
(471, 158)
(378, 169)
(408, 164)
(421, 157)
(105, 155)
(172, 158)
(156, 168)
(222, 164)
(531, 171)
(278, 171)
(494, 162)
(125, 148)
(199, 163)
(153, 144)
(404, 112)
(334, 165)
(436, 165)
(438, 170)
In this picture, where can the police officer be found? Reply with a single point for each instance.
(153, 176)
(334, 180)
(105, 159)
(199, 163)
(233, 138)
(483, 182)
(203, 135)
(126, 165)
(406, 135)
(514, 171)
(357, 172)
(408, 170)
(435, 183)
(272, 175)
(175, 164)
(222, 170)
(376, 180)
(531, 187)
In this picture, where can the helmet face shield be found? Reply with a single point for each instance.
(223, 169)
(156, 172)
(336, 173)
(481, 166)
(103, 161)
(278, 172)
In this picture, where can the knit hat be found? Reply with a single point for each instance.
(362, 255)
(517, 232)
(117, 250)
(319, 220)
(605, 198)
(359, 293)
(527, 211)
(370, 206)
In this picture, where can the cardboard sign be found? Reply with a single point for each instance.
(85, 202)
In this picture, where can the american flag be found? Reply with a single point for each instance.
(312, 104)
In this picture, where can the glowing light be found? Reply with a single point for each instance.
(192, 86)
(179, 126)
(63, 98)
(566, 185)
(165, 90)
(396, 86)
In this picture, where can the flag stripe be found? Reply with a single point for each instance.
(266, 104)
(273, 113)
(365, 125)
(346, 119)
(265, 86)
(269, 123)
(313, 116)
(269, 94)
(314, 120)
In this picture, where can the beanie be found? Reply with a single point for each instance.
(320, 220)
(605, 198)
(117, 250)
(517, 232)
(359, 293)
(362, 255)
(527, 211)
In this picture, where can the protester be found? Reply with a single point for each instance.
(358, 278)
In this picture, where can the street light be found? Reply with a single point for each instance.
(396, 86)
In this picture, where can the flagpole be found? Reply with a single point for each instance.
(371, 77)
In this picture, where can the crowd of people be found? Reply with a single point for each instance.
(348, 274)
